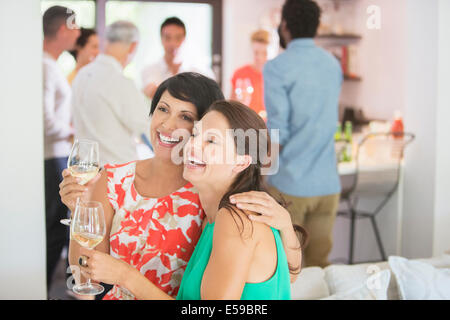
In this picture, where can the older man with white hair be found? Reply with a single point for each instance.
(107, 106)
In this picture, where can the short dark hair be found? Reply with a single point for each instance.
(192, 87)
(175, 21)
(53, 18)
(82, 40)
(302, 18)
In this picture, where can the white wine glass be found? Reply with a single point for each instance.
(83, 163)
(88, 228)
(244, 90)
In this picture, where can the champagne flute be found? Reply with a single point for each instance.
(88, 228)
(83, 163)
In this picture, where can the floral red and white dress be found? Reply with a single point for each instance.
(155, 235)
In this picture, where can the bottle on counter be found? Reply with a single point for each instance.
(339, 144)
(338, 133)
(397, 130)
(397, 127)
(347, 154)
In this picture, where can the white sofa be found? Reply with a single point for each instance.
(354, 282)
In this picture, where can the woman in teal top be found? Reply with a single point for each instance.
(235, 258)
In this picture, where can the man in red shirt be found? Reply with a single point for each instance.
(247, 82)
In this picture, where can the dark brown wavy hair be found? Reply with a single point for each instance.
(240, 116)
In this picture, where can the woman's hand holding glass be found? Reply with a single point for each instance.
(70, 189)
(102, 267)
(88, 228)
(83, 167)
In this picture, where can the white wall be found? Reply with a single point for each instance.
(441, 241)
(421, 117)
(381, 62)
(22, 227)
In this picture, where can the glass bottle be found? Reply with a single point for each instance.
(348, 140)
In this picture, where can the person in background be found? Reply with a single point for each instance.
(107, 106)
(59, 36)
(302, 87)
(86, 49)
(173, 35)
(247, 81)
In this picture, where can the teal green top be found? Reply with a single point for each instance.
(276, 288)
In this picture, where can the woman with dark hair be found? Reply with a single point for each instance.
(153, 213)
(86, 49)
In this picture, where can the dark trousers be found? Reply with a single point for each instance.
(317, 216)
(55, 210)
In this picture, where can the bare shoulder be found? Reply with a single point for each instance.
(236, 223)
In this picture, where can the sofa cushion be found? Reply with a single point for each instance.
(342, 278)
(375, 288)
(442, 261)
(419, 280)
(310, 285)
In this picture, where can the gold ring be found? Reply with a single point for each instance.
(82, 261)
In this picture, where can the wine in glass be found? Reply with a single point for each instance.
(88, 228)
(83, 163)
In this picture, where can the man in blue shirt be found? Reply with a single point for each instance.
(302, 87)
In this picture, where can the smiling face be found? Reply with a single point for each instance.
(170, 118)
(88, 53)
(210, 155)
